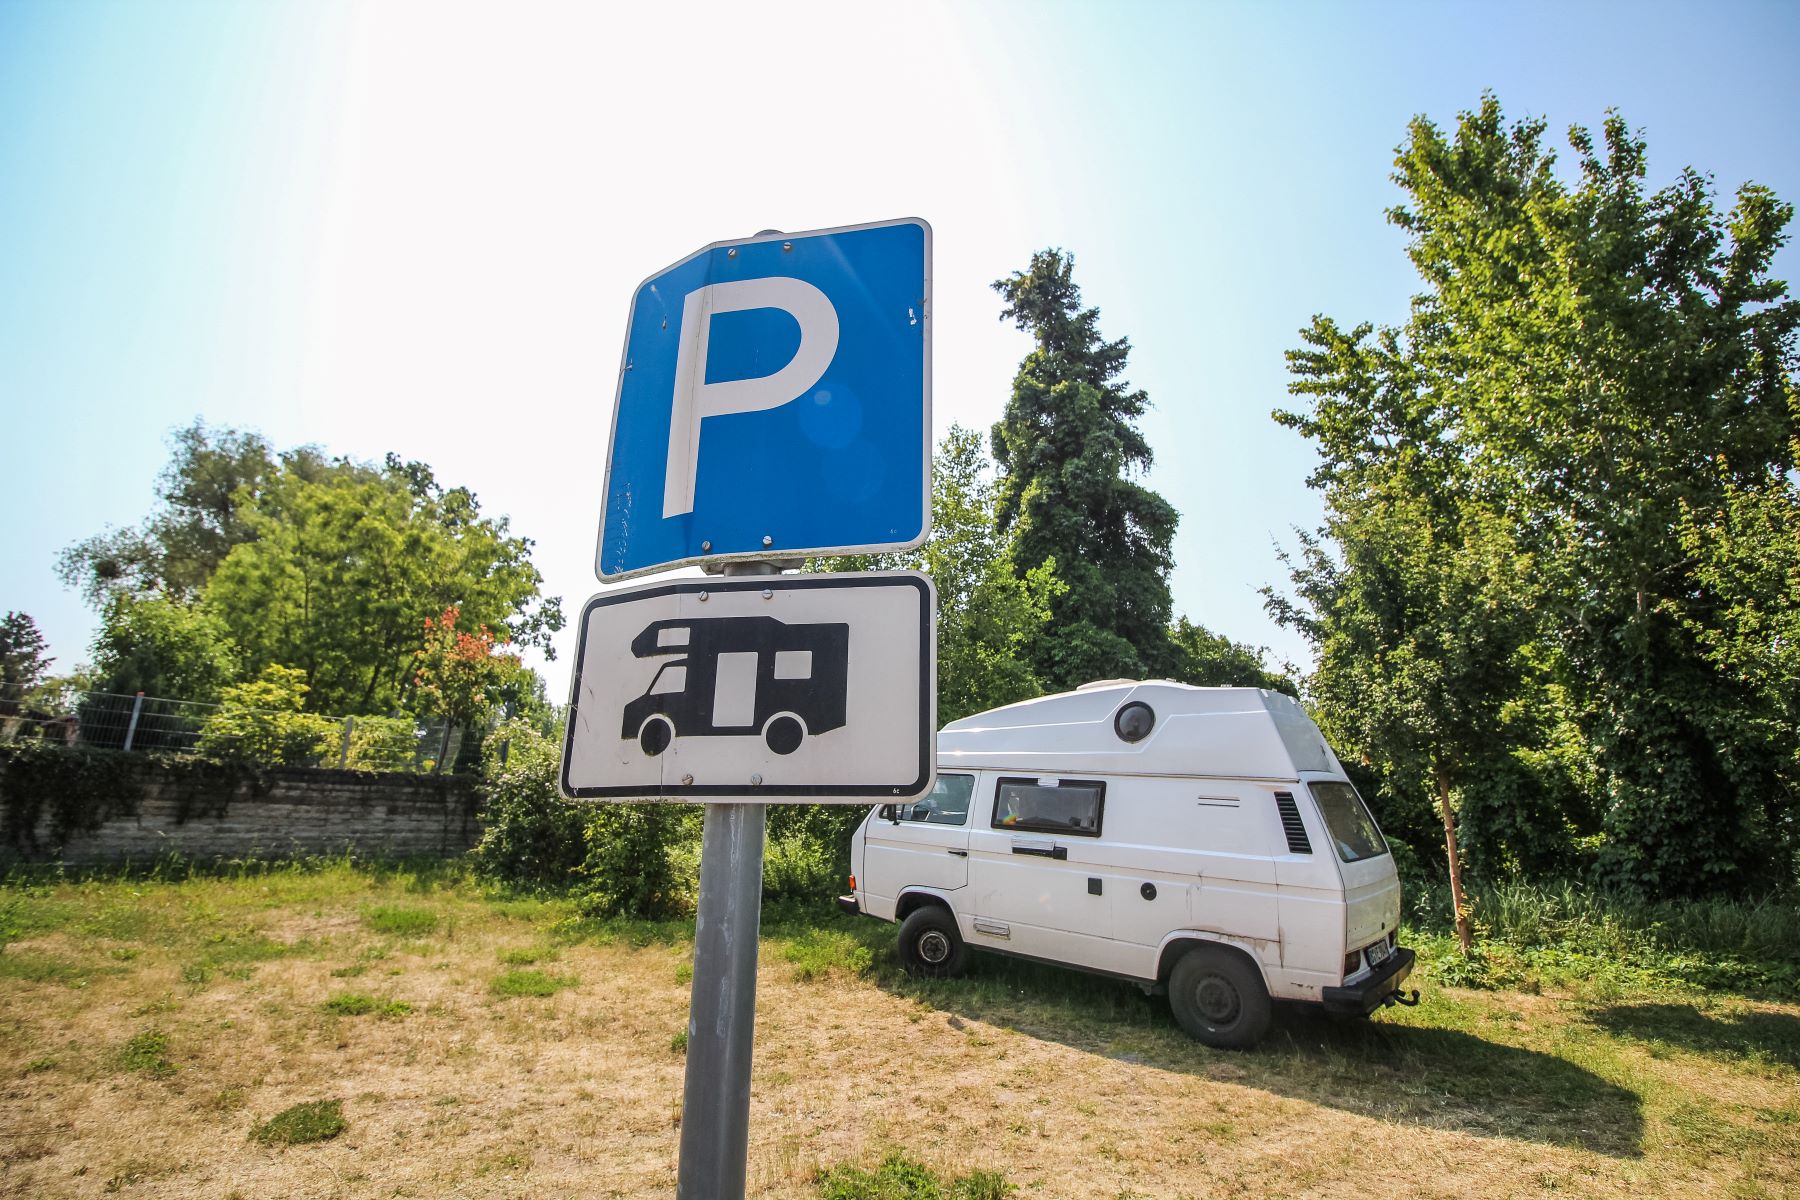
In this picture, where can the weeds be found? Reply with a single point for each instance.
(356, 1004)
(530, 983)
(401, 921)
(900, 1178)
(314, 1121)
(148, 1054)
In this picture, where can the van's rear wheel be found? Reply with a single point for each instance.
(931, 945)
(1219, 998)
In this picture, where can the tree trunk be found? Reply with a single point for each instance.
(1464, 934)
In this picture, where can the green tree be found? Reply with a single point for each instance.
(345, 563)
(989, 618)
(163, 648)
(22, 658)
(458, 675)
(1067, 447)
(1207, 659)
(1590, 364)
(203, 493)
(1746, 561)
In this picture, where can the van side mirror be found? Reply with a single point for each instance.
(890, 812)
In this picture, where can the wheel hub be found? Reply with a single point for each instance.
(934, 947)
(1216, 1000)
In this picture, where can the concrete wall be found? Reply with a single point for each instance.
(294, 811)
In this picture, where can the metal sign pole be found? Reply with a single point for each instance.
(715, 1099)
(715, 1104)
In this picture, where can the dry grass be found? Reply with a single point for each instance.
(1067, 1086)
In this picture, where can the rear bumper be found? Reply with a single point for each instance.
(1367, 995)
(848, 904)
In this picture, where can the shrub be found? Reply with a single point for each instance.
(631, 865)
(383, 744)
(533, 836)
(261, 721)
(797, 867)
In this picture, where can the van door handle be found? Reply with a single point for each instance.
(960, 853)
(1042, 851)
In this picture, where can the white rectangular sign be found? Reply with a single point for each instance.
(820, 688)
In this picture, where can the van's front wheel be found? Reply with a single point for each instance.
(930, 943)
(1219, 998)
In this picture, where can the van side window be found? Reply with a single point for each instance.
(1070, 806)
(945, 804)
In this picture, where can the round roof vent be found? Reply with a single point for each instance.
(1134, 722)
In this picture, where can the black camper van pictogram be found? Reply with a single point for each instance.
(738, 676)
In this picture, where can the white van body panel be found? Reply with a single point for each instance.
(1191, 844)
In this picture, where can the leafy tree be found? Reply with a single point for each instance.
(989, 618)
(262, 721)
(162, 647)
(22, 659)
(1067, 446)
(1208, 659)
(458, 675)
(203, 494)
(1747, 565)
(1589, 365)
(347, 561)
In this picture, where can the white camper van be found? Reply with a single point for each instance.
(1202, 841)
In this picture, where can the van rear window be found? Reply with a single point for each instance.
(1069, 806)
(1353, 830)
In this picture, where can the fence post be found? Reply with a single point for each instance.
(344, 750)
(137, 707)
(443, 749)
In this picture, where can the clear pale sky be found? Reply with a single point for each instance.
(416, 226)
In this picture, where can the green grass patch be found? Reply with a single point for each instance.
(678, 1043)
(42, 968)
(147, 1053)
(356, 1004)
(38, 1066)
(530, 983)
(820, 952)
(525, 956)
(901, 1178)
(314, 1121)
(398, 920)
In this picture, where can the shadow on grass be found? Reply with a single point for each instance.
(1430, 1076)
(1734, 1035)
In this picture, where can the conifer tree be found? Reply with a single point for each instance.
(1069, 448)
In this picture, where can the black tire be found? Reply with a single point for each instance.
(656, 735)
(784, 734)
(930, 944)
(1219, 998)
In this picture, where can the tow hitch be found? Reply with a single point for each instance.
(1407, 1000)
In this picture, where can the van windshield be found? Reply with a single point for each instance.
(1353, 830)
(945, 804)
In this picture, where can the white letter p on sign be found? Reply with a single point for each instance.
(696, 399)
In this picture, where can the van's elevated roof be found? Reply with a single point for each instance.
(1226, 732)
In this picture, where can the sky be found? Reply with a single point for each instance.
(416, 226)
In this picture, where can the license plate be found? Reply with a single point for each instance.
(1378, 953)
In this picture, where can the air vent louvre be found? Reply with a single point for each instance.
(1291, 824)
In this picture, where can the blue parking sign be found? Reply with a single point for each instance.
(774, 401)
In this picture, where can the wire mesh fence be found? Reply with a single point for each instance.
(152, 724)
